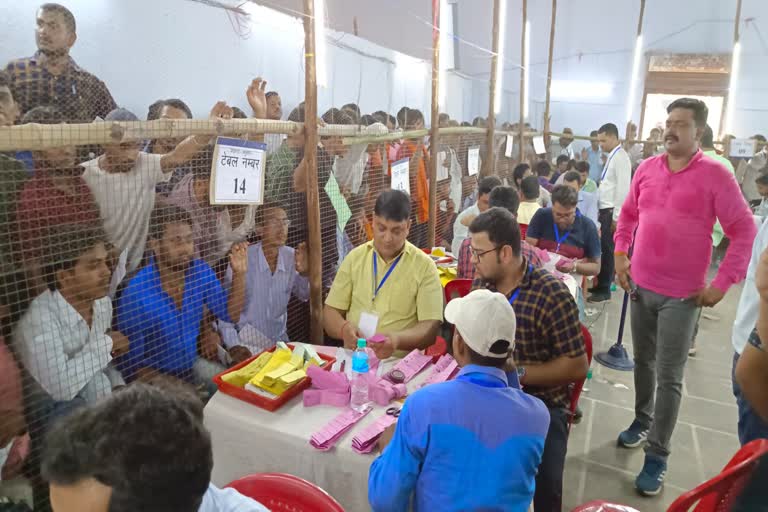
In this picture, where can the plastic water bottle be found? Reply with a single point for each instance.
(359, 397)
(589, 379)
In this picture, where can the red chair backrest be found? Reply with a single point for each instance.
(719, 493)
(457, 288)
(523, 230)
(283, 493)
(578, 386)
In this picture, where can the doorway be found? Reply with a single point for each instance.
(655, 110)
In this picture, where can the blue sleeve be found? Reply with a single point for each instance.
(392, 478)
(537, 225)
(215, 296)
(129, 322)
(592, 249)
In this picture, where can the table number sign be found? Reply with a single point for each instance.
(742, 148)
(237, 172)
(400, 175)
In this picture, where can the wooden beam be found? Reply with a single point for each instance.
(549, 67)
(434, 138)
(313, 190)
(489, 164)
(521, 139)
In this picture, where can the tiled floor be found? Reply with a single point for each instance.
(705, 436)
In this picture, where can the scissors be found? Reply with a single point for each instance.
(394, 411)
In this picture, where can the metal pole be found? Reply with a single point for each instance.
(521, 142)
(490, 155)
(434, 140)
(310, 157)
(736, 36)
(549, 70)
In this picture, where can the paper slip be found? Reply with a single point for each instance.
(329, 435)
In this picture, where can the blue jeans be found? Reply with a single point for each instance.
(751, 426)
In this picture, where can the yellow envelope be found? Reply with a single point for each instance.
(279, 357)
(241, 377)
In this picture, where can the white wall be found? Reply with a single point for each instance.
(594, 43)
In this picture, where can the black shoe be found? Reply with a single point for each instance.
(577, 415)
(599, 297)
(593, 289)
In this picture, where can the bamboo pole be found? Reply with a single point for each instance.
(549, 67)
(313, 200)
(523, 71)
(434, 137)
(489, 164)
(631, 140)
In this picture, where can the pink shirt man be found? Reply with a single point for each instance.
(674, 214)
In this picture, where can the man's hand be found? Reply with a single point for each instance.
(239, 354)
(622, 270)
(708, 297)
(386, 348)
(613, 226)
(209, 344)
(120, 343)
(565, 265)
(302, 259)
(257, 97)
(238, 258)
(350, 334)
(221, 111)
(386, 436)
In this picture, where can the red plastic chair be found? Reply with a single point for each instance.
(720, 493)
(457, 288)
(578, 386)
(438, 349)
(286, 493)
(523, 230)
(603, 506)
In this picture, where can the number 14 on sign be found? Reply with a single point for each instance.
(237, 172)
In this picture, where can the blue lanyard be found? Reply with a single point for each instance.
(560, 239)
(386, 276)
(610, 157)
(515, 293)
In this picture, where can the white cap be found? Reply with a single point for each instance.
(482, 318)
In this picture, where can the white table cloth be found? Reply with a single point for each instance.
(247, 439)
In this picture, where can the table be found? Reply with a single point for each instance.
(247, 439)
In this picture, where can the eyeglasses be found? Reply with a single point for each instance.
(478, 255)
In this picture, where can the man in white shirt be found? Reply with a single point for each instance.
(142, 449)
(465, 218)
(123, 182)
(64, 339)
(750, 425)
(614, 188)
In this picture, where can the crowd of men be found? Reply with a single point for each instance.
(116, 270)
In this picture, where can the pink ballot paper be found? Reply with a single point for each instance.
(330, 434)
(412, 364)
(445, 368)
(328, 388)
(365, 441)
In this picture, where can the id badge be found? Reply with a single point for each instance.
(368, 324)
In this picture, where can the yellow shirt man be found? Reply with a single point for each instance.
(387, 282)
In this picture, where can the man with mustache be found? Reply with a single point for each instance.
(51, 76)
(163, 306)
(674, 201)
(614, 187)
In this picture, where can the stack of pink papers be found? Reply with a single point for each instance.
(330, 434)
(412, 364)
(365, 441)
(328, 388)
(445, 368)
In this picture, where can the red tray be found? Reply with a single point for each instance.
(270, 404)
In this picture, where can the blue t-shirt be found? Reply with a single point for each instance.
(473, 443)
(161, 335)
(581, 240)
